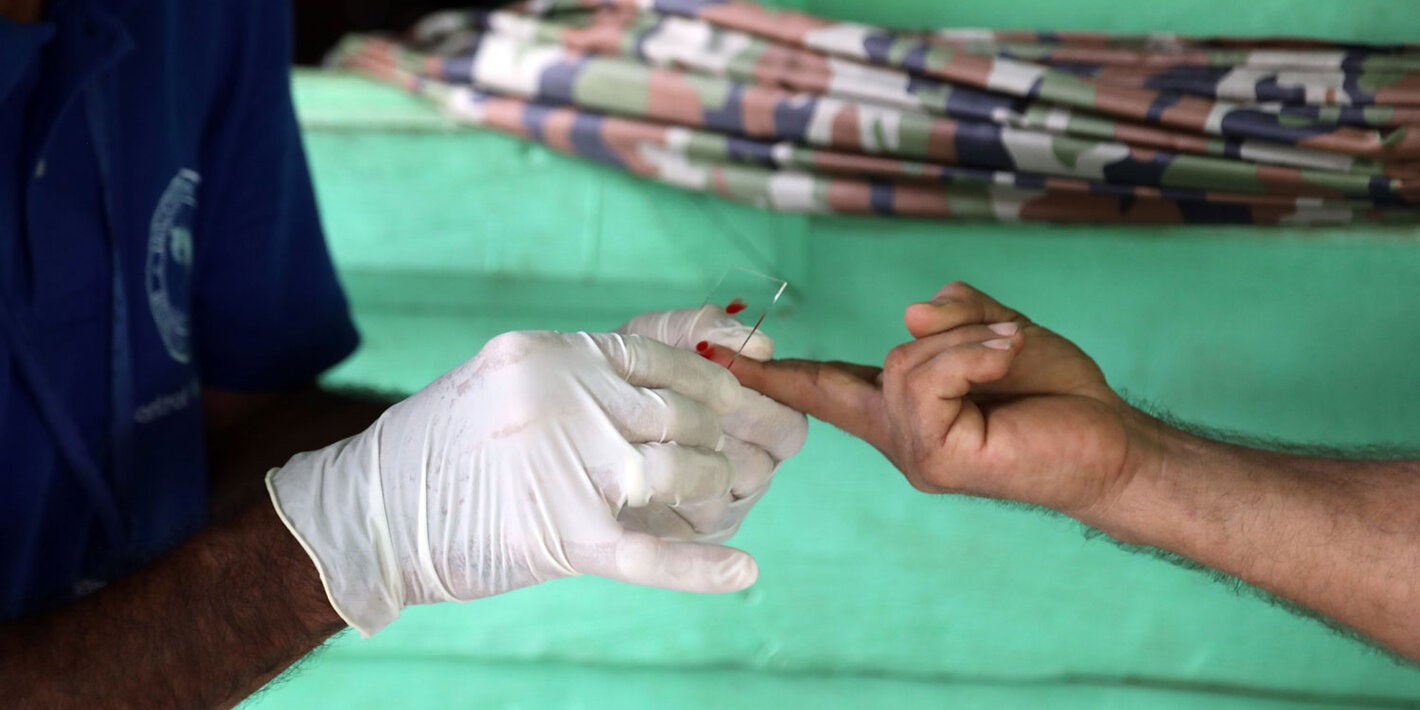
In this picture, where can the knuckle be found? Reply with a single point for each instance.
(753, 467)
(512, 342)
(675, 413)
(917, 480)
(959, 289)
(817, 377)
(897, 359)
(648, 324)
(508, 351)
(926, 468)
(919, 484)
(655, 416)
(720, 471)
(919, 460)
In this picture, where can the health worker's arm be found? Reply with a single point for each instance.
(514, 468)
(984, 402)
(215, 619)
(204, 626)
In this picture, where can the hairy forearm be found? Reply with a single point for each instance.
(217, 617)
(205, 625)
(1339, 537)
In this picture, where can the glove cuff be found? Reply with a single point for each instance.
(331, 501)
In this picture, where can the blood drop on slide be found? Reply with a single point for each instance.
(735, 306)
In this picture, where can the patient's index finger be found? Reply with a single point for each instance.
(843, 394)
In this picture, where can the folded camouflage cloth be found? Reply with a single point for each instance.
(799, 113)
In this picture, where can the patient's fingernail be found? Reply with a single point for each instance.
(1007, 329)
(999, 344)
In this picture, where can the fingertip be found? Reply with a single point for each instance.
(740, 368)
(748, 371)
(1003, 336)
(759, 346)
(739, 571)
(644, 559)
(718, 354)
(939, 315)
(918, 318)
(1001, 356)
(1006, 328)
(919, 309)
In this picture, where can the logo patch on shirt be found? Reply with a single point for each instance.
(168, 271)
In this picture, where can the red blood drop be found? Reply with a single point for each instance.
(702, 346)
(735, 306)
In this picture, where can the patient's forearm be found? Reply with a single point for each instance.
(1339, 537)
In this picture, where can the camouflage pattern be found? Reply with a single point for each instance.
(793, 112)
(1012, 77)
(698, 46)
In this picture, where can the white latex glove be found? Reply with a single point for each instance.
(511, 469)
(759, 434)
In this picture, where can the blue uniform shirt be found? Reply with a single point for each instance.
(158, 233)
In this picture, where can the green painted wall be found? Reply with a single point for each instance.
(872, 595)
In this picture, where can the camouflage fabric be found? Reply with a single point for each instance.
(799, 113)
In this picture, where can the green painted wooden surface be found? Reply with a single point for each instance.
(872, 595)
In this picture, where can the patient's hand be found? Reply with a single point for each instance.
(1027, 416)
(982, 402)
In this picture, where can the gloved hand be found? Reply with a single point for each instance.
(759, 434)
(511, 469)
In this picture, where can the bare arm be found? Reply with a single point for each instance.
(216, 618)
(203, 626)
(554, 420)
(1339, 537)
(986, 403)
